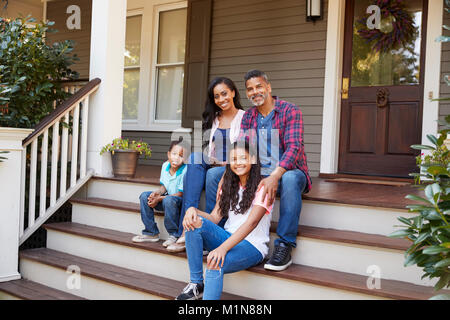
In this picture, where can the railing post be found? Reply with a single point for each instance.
(10, 195)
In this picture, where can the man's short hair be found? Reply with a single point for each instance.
(256, 74)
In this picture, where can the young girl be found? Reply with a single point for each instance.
(221, 123)
(244, 241)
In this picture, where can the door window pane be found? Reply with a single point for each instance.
(170, 93)
(172, 36)
(386, 43)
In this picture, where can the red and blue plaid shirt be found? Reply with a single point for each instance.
(288, 120)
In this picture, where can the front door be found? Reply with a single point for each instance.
(381, 109)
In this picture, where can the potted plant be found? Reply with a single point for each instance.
(125, 154)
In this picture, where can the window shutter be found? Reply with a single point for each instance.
(196, 61)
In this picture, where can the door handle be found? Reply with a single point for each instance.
(345, 85)
(382, 97)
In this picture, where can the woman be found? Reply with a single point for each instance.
(221, 123)
(243, 242)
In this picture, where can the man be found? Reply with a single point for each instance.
(283, 162)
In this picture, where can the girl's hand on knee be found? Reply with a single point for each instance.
(190, 219)
(216, 258)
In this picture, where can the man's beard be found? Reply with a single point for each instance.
(258, 95)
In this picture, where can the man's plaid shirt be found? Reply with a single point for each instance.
(288, 120)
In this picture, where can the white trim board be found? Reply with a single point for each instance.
(329, 155)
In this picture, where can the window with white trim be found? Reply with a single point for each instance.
(154, 67)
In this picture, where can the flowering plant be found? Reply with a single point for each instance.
(124, 144)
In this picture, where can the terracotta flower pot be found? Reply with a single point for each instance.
(124, 163)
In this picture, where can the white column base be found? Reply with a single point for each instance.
(10, 172)
(11, 277)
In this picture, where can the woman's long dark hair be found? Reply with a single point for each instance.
(211, 109)
(230, 188)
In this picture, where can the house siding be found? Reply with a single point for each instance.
(444, 107)
(56, 12)
(273, 36)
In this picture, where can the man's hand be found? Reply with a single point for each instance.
(271, 184)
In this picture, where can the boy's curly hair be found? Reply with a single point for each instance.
(230, 188)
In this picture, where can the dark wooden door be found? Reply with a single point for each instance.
(381, 109)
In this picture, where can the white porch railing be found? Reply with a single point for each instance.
(50, 177)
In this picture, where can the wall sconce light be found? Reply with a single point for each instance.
(314, 10)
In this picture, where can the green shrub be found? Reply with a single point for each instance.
(429, 230)
(31, 72)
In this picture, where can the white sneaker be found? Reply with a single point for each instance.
(169, 241)
(181, 240)
(176, 247)
(145, 238)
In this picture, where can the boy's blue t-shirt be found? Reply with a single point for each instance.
(173, 184)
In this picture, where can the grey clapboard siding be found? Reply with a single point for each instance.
(273, 36)
(444, 107)
(56, 11)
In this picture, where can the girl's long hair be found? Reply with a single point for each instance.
(230, 187)
(211, 109)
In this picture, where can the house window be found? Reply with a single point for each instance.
(132, 68)
(168, 66)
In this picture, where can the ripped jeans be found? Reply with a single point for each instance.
(208, 237)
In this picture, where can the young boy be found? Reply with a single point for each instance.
(167, 198)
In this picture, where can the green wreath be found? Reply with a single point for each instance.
(400, 29)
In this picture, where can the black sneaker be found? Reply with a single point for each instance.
(281, 258)
(193, 291)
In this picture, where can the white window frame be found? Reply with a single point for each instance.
(161, 125)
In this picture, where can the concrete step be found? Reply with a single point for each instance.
(297, 282)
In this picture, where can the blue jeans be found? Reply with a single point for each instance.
(208, 237)
(290, 189)
(199, 175)
(171, 206)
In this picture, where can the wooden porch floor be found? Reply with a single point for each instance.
(372, 195)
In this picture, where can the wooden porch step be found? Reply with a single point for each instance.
(380, 196)
(391, 289)
(350, 237)
(140, 281)
(29, 290)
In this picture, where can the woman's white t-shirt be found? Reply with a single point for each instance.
(259, 237)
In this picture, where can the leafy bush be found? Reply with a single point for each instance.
(31, 72)
(429, 231)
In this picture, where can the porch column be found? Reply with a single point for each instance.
(10, 188)
(106, 63)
